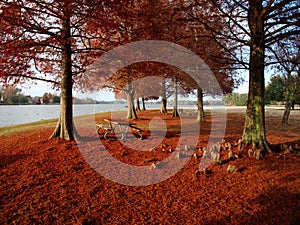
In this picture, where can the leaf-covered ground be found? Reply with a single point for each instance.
(45, 181)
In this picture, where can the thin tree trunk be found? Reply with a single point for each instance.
(289, 103)
(137, 104)
(163, 108)
(201, 115)
(286, 113)
(143, 104)
(254, 128)
(64, 128)
(293, 105)
(175, 108)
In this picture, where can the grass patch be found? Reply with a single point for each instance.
(19, 128)
(27, 127)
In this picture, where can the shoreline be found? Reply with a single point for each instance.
(227, 108)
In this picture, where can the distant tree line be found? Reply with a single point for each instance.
(279, 90)
(14, 95)
(235, 99)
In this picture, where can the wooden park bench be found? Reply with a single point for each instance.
(117, 128)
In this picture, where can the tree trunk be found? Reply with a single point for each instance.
(163, 108)
(64, 128)
(287, 110)
(254, 128)
(143, 104)
(137, 104)
(175, 108)
(131, 114)
(290, 102)
(293, 105)
(201, 115)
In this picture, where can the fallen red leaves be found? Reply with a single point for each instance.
(49, 182)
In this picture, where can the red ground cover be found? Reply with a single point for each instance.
(47, 181)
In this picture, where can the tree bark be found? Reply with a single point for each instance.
(175, 108)
(201, 115)
(137, 104)
(254, 128)
(163, 108)
(293, 105)
(131, 114)
(64, 128)
(143, 104)
(286, 113)
(290, 102)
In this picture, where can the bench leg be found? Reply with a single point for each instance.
(141, 136)
(98, 130)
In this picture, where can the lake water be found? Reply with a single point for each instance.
(18, 114)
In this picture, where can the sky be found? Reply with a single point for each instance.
(41, 87)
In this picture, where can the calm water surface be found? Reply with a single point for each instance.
(18, 114)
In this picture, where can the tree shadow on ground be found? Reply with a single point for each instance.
(6, 160)
(275, 206)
